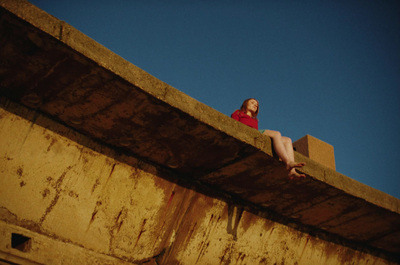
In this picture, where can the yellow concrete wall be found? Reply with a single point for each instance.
(80, 202)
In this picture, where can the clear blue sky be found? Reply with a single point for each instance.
(330, 69)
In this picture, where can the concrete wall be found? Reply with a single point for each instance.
(80, 202)
(102, 163)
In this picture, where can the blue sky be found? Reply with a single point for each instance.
(330, 69)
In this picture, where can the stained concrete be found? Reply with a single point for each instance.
(79, 202)
(56, 71)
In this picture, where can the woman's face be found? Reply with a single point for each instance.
(252, 106)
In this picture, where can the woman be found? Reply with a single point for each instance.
(282, 145)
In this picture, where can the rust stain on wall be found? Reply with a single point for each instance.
(20, 171)
(58, 190)
(142, 230)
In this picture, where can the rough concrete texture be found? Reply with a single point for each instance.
(157, 149)
(317, 150)
(82, 203)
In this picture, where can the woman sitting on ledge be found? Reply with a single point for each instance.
(247, 114)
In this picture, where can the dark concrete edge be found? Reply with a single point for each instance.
(127, 71)
(105, 58)
(349, 185)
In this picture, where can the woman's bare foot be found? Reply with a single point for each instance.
(294, 174)
(293, 164)
(291, 167)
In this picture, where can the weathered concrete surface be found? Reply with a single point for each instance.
(54, 69)
(82, 203)
(317, 150)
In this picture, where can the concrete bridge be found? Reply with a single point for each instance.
(102, 163)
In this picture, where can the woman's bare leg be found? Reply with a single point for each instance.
(278, 145)
(292, 165)
(287, 142)
(284, 149)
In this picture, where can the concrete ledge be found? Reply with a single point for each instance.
(96, 198)
(53, 68)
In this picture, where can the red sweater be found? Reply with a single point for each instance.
(245, 119)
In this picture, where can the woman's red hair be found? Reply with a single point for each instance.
(243, 108)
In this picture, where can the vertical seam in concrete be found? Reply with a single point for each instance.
(164, 216)
(60, 33)
(179, 222)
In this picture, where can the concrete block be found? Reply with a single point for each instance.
(316, 150)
